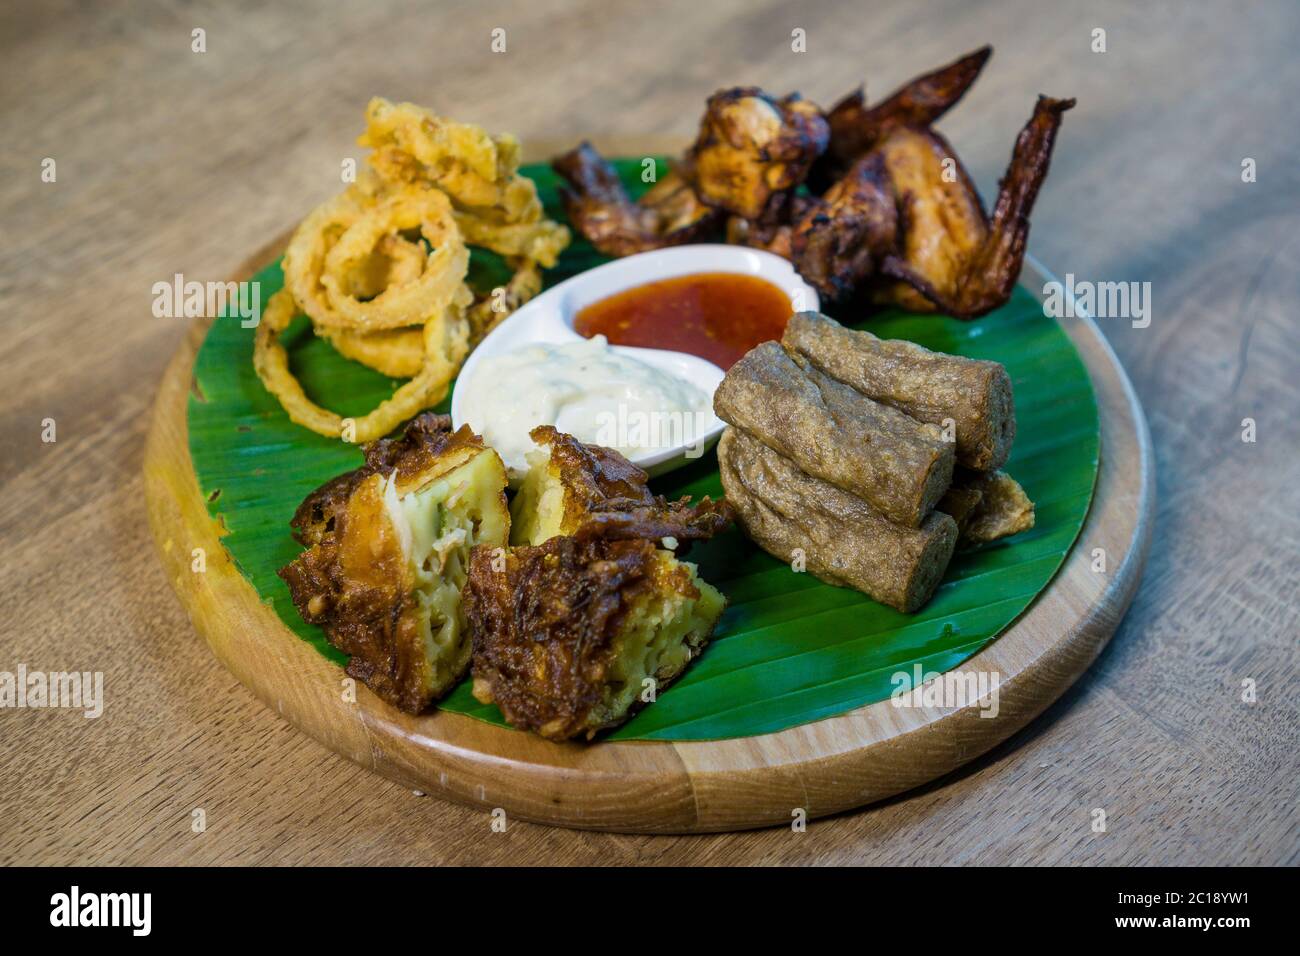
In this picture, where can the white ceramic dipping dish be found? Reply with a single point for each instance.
(548, 319)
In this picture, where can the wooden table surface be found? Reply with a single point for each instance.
(173, 161)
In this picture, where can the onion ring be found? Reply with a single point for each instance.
(381, 268)
(541, 241)
(409, 303)
(446, 342)
(304, 258)
(438, 143)
(395, 261)
(397, 353)
(478, 171)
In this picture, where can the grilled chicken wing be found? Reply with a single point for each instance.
(891, 212)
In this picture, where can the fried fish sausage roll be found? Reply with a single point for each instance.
(898, 465)
(844, 541)
(928, 386)
(388, 552)
(567, 633)
(987, 506)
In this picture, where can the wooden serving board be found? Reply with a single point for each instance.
(819, 768)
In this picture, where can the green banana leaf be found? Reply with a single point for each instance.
(789, 649)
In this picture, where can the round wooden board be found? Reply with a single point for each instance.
(822, 768)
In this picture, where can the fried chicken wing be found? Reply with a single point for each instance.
(753, 149)
(577, 489)
(388, 552)
(856, 127)
(598, 207)
(888, 209)
(834, 240)
(953, 258)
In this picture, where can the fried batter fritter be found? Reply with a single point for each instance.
(598, 207)
(590, 607)
(572, 635)
(753, 149)
(577, 489)
(388, 551)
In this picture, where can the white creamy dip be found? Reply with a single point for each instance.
(586, 389)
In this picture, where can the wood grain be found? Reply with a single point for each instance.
(170, 161)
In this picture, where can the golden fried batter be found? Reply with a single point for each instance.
(388, 550)
(573, 635)
(577, 489)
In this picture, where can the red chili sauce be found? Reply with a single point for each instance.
(718, 316)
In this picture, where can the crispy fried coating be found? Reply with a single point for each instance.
(888, 209)
(388, 547)
(856, 128)
(953, 258)
(598, 207)
(841, 539)
(935, 387)
(987, 506)
(834, 240)
(753, 149)
(568, 633)
(574, 488)
(900, 466)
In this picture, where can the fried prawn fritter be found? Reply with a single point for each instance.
(953, 258)
(753, 150)
(599, 208)
(388, 548)
(575, 488)
(572, 635)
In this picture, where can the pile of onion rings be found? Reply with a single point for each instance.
(381, 268)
